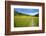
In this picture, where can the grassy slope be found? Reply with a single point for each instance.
(25, 21)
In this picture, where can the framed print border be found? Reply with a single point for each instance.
(8, 17)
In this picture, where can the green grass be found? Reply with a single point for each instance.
(25, 21)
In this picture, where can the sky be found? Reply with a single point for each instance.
(27, 11)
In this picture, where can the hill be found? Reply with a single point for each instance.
(17, 13)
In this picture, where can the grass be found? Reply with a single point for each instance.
(25, 21)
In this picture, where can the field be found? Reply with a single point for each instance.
(25, 21)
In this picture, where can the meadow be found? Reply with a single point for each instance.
(25, 21)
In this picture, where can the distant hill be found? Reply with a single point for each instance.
(16, 13)
(37, 15)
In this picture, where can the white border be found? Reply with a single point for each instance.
(25, 28)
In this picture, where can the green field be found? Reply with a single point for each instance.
(25, 21)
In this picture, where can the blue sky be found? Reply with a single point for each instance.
(27, 11)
